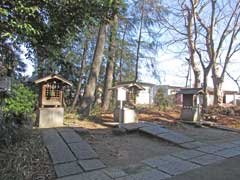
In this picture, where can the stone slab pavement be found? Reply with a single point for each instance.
(149, 175)
(83, 151)
(68, 152)
(57, 148)
(165, 134)
(94, 175)
(75, 159)
(91, 164)
(171, 165)
(67, 169)
(228, 169)
(71, 137)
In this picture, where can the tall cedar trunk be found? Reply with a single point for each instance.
(121, 54)
(110, 66)
(88, 97)
(40, 62)
(83, 65)
(139, 41)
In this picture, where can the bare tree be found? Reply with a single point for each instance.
(182, 29)
(220, 38)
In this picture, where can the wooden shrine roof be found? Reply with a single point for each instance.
(53, 76)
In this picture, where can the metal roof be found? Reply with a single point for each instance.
(193, 91)
(129, 85)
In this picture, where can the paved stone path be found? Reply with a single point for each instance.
(75, 159)
(70, 154)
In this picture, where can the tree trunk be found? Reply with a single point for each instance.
(110, 66)
(88, 97)
(197, 77)
(139, 41)
(83, 64)
(192, 37)
(205, 90)
(217, 84)
(121, 54)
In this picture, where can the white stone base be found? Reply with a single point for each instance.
(129, 115)
(50, 117)
(190, 115)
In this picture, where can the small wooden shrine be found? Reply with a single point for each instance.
(125, 112)
(51, 110)
(192, 102)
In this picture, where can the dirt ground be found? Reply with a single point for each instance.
(123, 150)
(119, 151)
(27, 159)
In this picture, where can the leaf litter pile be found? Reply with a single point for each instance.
(27, 159)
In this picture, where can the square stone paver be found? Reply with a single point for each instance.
(210, 148)
(71, 137)
(192, 145)
(206, 159)
(236, 142)
(158, 161)
(188, 154)
(178, 167)
(115, 172)
(175, 137)
(92, 164)
(133, 126)
(95, 175)
(154, 130)
(83, 150)
(67, 169)
(227, 145)
(171, 165)
(51, 137)
(64, 129)
(227, 153)
(61, 154)
(148, 175)
(136, 168)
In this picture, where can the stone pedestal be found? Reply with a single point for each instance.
(191, 114)
(50, 117)
(129, 115)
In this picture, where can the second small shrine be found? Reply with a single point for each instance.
(125, 111)
(192, 104)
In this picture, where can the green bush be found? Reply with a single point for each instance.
(21, 101)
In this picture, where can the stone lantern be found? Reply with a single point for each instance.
(192, 103)
(51, 111)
